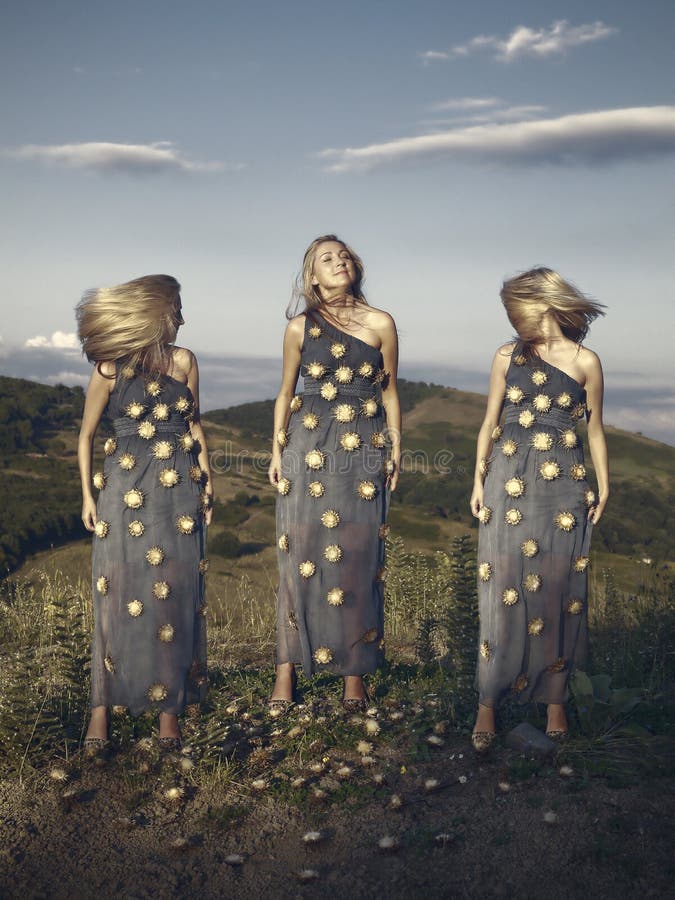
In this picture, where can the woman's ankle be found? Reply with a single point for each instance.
(354, 688)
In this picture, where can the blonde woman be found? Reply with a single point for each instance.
(330, 470)
(535, 507)
(154, 499)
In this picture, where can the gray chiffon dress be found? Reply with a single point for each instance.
(331, 508)
(149, 643)
(534, 539)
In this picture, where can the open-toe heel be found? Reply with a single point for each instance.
(482, 741)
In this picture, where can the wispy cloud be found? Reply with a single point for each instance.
(503, 114)
(525, 41)
(594, 138)
(103, 156)
(60, 340)
(465, 103)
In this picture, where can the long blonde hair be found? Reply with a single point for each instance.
(309, 294)
(134, 323)
(573, 311)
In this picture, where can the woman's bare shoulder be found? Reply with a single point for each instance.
(183, 361)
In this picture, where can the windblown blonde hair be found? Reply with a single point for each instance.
(135, 323)
(305, 291)
(572, 310)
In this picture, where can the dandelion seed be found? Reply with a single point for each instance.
(396, 715)
(462, 779)
(305, 875)
(550, 817)
(581, 563)
(379, 779)
(102, 585)
(298, 782)
(168, 478)
(589, 498)
(509, 448)
(283, 542)
(330, 518)
(162, 449)
(165, 633)
(369, 407)
(344, 375)
(483, 468)
(312, 837)
(161, 589)
(234, 859)
(366, 370)
(186, 764)
(504, 786)
(182, 405)
(314, 332)
(282, 437)
(58, 774)
(396, 802)
(174, 794)
(345, 772)
(364, 748)
(388, 843)
(134, 498)
(259, 784)
(579, 411)
(196, 474)
(486, 650)
(157, 692)
(542, 441)
(550, 470)
(319, 794)
(372, 727)
(564, 400)
(435, 740)
(431, 784)
(154, 388)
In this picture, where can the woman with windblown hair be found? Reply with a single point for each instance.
(330, 470)
(154, 501)
(535, 507)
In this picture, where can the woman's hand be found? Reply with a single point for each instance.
(89, 513)
(208, 507)
(274, 471)
(595, 512)
(394, 467)
(476, 501)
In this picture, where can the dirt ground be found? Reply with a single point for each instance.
(538, 835)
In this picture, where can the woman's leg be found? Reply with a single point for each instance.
(354, 688)
(556, 722)
(485, 720)
(284, 686)
(98, 723)
(168, 726)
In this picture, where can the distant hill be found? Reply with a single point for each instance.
(40, 497)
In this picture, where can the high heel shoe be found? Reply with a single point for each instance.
(558, 735)
(481, 741)
(279, 706)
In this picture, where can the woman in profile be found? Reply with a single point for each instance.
(535, 507)
(155, 497)
(330, 470)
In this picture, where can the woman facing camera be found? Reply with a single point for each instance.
(330, 470)
(155, 497)
(534, 504)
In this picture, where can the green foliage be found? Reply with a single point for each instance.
(225, 544)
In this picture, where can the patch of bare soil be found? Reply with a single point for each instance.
(501, 827)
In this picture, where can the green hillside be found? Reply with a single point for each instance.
(40, 501)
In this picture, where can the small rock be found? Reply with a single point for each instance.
(527, 739)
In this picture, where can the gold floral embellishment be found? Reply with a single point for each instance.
(542, 403)
(128, 372)
(581, 563)
(157, 692)
(135, 410)
(565, 520)
(520, 684)
(526, 419)
(135, 608)
(315, 370)
(333, 553)
(185, 524)
(575, 606)
(350, 441)
(154, 388)
(335, 596)
(296, 403)
(558, 666)
(99, 480)
(169, 478)
(344, 412)
(589, 498)
(102, 585)
(186, 442)
(532, 582)
(283, 543)
(485, 571)
(564, 400)
(101, 529)
(161, 412)
(535, 626)
(196, 474)
(539, 378)
(155, 556)
(110, 446)
(109, 664)
(381, 574)
(330, 518)
(530, 548)
(337, 350)
(147, 431)
(161, 590)
(315, 459)
(519, 360)
(383, 531)
(134, 498)
(162, 449)
(366, 370)
(366, 490)
(497, 433)
(578, 472)
(514, 394)
(344, 375)
(515, 487)
(486, 650)
(483, 468)
(509, 447)
(369, 407)
(377, 440)
(549, 470)
(513, 516)
(569, 439)
(127, 461)
(307, 568)
(542, 440)
(282, 437)
(380, 375)
(579, 411)
(510, 596)
(182, 405)
(310, 420)
(315, 489)
(166, 633)
(484, 514)
(204, 566)
(322, 655)
(314, 332)
(136, 528)
(329, 391)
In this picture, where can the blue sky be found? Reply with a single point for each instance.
(451, 144)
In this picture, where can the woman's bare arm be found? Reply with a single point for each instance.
(495, 403)
(98, 392)
(596, 433)
(390, 399)
(293, 338)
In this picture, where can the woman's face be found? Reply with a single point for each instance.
(333, 271)
(176, 315)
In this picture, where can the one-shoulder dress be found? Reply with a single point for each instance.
(332, 507)
(149, 643)
(534, 539)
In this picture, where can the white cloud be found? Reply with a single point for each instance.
(507, 114)
(60, 340)
(593, 138)
(465, 103)
(525, 41)
(103, 156)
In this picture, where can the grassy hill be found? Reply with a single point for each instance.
(40, 502)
